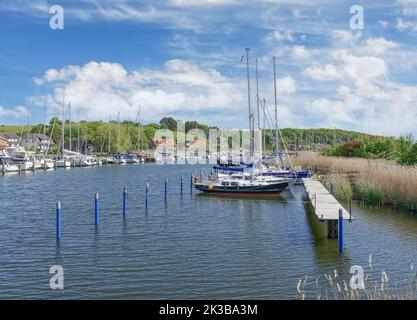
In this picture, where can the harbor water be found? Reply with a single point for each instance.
(190, 246)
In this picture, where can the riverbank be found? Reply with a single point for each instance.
(377, 182)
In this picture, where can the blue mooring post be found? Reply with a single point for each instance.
(191, 183)
(58, 221)
(96, 210)
(165, 189)
(124, 200)
(340, 231)
(182, 182)
(146, 196)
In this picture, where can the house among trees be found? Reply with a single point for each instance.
(3, 143)
(11, 138)
(36, 141)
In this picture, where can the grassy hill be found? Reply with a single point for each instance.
(15, 129)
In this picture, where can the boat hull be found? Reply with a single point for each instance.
(262, 190)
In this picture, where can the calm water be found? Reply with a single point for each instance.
(191, 247)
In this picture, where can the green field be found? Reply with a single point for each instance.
(15, 129)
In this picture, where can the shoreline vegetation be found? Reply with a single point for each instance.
(376, 182)
(124, 134)
(374, 286)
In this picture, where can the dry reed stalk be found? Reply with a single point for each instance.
(397, 183)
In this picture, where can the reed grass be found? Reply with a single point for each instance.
(374, 181)
(377, 286)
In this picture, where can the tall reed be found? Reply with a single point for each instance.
(380, 180)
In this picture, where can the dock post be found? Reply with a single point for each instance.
(58, 221)
(124, 200)
(165, 189)
(3, 167)
(20, 168)
(146, 195)
(182, 182)
(340, 231)
(332, 229)
(350, 210)
(191, 183)
(96, 210)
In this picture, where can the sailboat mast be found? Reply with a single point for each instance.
(70, 133)
(249, 106)
(118, 132)
(63, 124)
(276, 111)
(78, 136)
(139, 129)
(44, 130)
(110, 135)
(257, 94)
(264, 124)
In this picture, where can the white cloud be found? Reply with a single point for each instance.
(300, 52)
(383, 23)
(345, 37)
(286, 85)
(403, 25)
(379, 46)
(323, 73)
(17, 112)
(100, 90)
(185, 3)
(279, 35)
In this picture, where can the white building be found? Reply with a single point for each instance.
(36, 141)
(11, 138)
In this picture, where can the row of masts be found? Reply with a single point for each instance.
(68, 110)
(261, 104)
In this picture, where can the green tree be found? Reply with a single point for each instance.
(168, 123)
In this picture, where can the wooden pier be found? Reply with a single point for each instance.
(326, 207)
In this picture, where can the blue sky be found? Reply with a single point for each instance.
(182, 58)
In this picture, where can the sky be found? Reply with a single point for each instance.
(182, 58)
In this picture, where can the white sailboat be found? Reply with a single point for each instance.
(22, 158)
(6, 164)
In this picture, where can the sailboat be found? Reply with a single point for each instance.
(63, 161)
(273, 165)
(246, 181)
(6, 163)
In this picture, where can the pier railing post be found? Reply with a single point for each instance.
(96, 210)
(340, 230)
(58, 221)
(124, 200)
